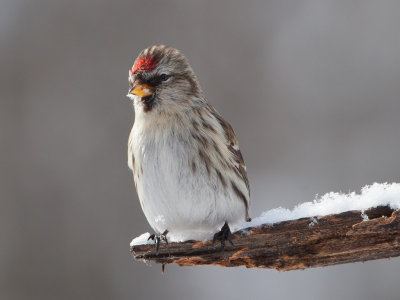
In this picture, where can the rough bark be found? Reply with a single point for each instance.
(304, 243)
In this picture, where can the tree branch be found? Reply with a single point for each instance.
(290, 245)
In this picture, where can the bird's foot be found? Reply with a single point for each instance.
(158, 238)
(222, 235)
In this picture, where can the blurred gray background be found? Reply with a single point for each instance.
(311, 87)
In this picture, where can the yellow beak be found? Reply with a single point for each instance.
(142, 90)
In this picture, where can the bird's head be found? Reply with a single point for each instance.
(162, 80)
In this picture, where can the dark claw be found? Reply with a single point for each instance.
(157, 243)
(158, 238)
(222, 235)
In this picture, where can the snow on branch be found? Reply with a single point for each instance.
(335, 229)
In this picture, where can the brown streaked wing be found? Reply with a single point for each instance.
(233, 146)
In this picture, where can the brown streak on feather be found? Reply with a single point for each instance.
(236, 171)
(232, 142)
(236, 152)
(243, 172)
(195, 124)
(221, 178)
(229, 133)
(194, 166)
(202, 140)
(178, 119)
(240, 169)
(216, 148)
(242, 197)
(208, 126)
(204, 157)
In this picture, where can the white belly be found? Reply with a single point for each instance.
(189, 204)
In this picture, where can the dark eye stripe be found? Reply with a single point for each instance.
(156, 80)
(153, 81)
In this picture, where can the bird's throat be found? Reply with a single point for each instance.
(148, 102)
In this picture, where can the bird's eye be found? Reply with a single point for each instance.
(163, 77)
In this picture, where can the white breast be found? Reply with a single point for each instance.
(189, 204)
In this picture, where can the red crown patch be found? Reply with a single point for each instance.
(144, 64)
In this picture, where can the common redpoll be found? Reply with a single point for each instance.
(188, 170)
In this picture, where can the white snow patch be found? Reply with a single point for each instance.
(377, 194)
(364, 216)
(246, 231)
(142, 240)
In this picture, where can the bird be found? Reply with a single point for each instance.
(188, 170)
